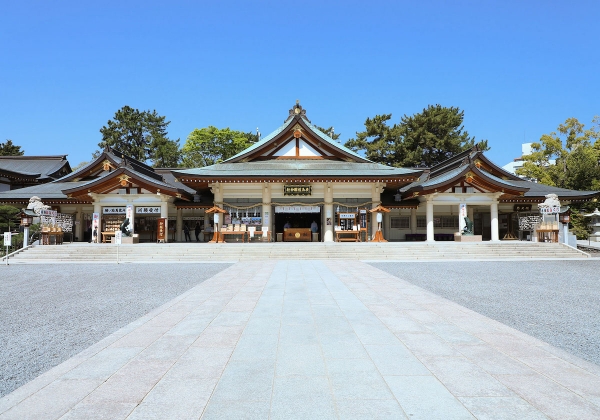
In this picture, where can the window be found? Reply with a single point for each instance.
(402, 222)
(450, 222)
(421, 222)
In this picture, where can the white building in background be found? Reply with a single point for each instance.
(518, 162)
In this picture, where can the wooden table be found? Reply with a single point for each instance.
(547, 235)
(106, 236)
(297, 235)
(354, 235)
(244, 235)
(47, 238)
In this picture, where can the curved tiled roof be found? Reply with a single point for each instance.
(298, 167)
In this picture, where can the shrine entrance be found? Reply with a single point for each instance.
(293, 223)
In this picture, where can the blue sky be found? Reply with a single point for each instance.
(517, 68)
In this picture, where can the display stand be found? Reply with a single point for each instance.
(379, 210)
(347, 228)
(216, 211)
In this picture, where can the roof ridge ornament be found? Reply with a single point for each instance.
(296, 110)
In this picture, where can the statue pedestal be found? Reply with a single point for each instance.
(127, 240)
(467, 238)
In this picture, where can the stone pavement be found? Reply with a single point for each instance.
(312, 339)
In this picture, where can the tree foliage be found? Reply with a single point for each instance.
(567, 158)
(210, 145)
(9, 149)
(9, 217)
(141, 135)
(421, 140)
(329, 131)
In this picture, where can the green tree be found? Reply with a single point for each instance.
(329, 131)
(210, 145)
(9, 218)
(141, 135)
(9, 149)
(421, 140)
(567, 158)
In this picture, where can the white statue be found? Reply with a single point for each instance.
(551, 201)
(35, 204)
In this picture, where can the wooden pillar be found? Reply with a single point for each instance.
(179, 226)
(164, 212)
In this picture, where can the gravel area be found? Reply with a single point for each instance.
(555, 301)
(50, 313)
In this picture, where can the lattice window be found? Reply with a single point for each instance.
(421, 221)
(402, 222)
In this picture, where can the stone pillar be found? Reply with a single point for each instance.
(376, 198)
(266, 211)
(217, 190)
(494, 220)
(179, 226)
(429, 219)
(413, 220)
(164, 212)
(328, 208)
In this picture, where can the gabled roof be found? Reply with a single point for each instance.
(115, 159)
(43, 168)
(297, 123)
(112, 180)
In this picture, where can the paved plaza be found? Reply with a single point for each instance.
(314, 340)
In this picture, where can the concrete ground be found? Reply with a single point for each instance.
(50, 313)
(555, 301)
(312, 339)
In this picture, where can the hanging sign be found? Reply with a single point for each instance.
(161, 229)
(48, 213)
(297, 190)
(147, 210)
(463, 210)
(113, 210)
(550, 210)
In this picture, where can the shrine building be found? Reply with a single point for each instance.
(295, 184)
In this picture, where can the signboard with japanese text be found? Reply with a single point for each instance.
(147, 210)
(118, 237)
(522, 207)
(550, 210)
(7, 239)
(161, 230)
(113, 210)
(297, 209)
(297, 190)
(347, 215)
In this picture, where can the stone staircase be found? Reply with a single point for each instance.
(205, 252)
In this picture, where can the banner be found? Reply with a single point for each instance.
(113, 210)
(297, 209)
(95, 226)
(161, 229)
